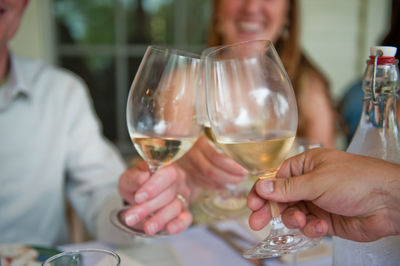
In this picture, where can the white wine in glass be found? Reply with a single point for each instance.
(161, 113)
(252, 111)
(161, 151)
(230, 202)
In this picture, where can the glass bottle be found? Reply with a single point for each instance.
(377, 135)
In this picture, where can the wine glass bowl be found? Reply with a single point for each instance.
(252, 112)
(161, 112)
(229, 202)
(84, 257)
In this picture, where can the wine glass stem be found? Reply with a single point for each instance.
(273, 205)
(153, 169)
(277, 223)
(274, 209)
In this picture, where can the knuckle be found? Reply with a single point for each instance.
(210, 172)
(287, 187)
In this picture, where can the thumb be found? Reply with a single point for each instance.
(287, 189)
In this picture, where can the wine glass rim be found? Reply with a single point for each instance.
(175, 51)
(87, 250)
(215, 49)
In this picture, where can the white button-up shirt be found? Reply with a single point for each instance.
(51, 148)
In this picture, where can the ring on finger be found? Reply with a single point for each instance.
(181, 199)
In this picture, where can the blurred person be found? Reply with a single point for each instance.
(279, 21)
(53, 150)
(329, 191)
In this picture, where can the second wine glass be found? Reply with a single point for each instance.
(253, 114)
(230, 202)
(161, 115)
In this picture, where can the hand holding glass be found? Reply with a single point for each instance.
(160, 111)
(253, 115)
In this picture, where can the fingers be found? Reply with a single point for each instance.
(299, 218)
(206, 168)
(158, 221)
(140, 211)
(254, 202)
(158, 182)
(210, 169)
(136, 185)
(180, 223)
(132, 179)
(315, 227)
(260, 218)
(173, 217)
(293, 218)
(289, 189)
(294, 166)
(219, 160)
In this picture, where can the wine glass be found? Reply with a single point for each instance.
(161, 113)
(253, 114)
(84, 257)
(230, 202)
(300, 145)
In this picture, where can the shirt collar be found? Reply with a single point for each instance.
(17, 80)
(17, 83)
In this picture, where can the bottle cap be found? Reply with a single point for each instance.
(387, 51)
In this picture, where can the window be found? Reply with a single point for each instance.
(103, 42)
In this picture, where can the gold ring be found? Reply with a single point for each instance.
(182, 199)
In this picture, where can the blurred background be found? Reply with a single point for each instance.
(103, 41)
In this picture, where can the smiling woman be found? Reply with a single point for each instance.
(279, 21)
(239, 21)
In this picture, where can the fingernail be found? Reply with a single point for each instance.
(267, 187)
(131, 219)
(152, 228)
(294, 223)
(318, 228)
(141, 197)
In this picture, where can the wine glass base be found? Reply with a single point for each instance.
(223, 205)
(117, 219)
(280, 242)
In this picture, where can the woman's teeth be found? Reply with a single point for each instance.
(250, 26)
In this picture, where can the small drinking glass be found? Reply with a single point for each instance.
(84, 257)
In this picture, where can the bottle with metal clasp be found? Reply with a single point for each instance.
(377, 135)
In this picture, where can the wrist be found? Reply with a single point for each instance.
(393, 202)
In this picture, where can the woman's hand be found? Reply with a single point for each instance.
(160, 198)
(208, 168)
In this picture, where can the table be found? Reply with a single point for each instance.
(197, 246)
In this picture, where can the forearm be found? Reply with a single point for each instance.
(393, 201)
